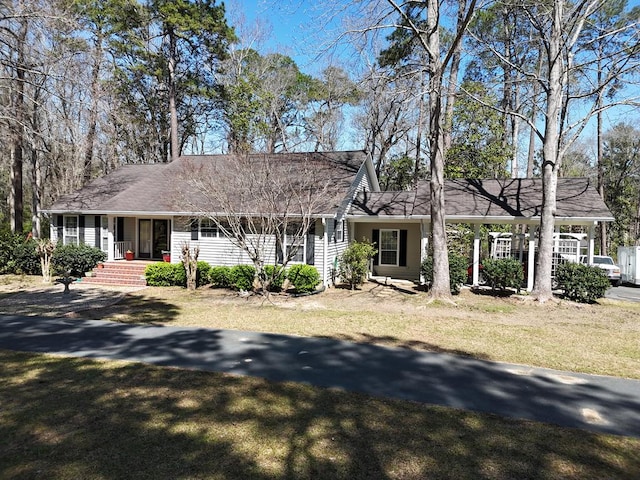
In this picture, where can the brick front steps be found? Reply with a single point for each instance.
(119, 273)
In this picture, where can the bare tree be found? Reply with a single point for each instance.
(560, 27)
(263, 204)
(419, 25)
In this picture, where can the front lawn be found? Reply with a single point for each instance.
(70, 418)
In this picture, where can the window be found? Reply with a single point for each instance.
(295, 249)
(340, 231)
(389, 247)
(70, 230)
(104, 229)
(294, 244)
(209, 228)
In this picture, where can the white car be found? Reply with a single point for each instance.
(608, 265)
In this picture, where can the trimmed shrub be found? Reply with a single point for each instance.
(582, 283)
(76, 259)
(220, 276)
(203, 275)
(275, 275)
(161, 274)
(242, 276)
(503, 273)
(304, 278)
(354, 263)
(457, 271)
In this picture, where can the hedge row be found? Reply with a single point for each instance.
(303, 278)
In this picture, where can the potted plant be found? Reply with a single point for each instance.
(166, 256)
(100, 265)
(128, 255)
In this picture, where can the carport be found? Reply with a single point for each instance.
(515, 202)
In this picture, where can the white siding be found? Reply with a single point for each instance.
(221, 251)
(215, 251)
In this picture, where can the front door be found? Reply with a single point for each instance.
(145, 239)
(160, 237)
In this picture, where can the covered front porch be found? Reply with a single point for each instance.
(140, 238)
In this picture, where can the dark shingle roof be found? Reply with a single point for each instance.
(469, 199)
(159, 188)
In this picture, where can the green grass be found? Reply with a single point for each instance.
(68, 418)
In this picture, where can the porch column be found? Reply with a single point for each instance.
(591, 244)
(476, 255)
(110, 238)
(425, 230)
(325, 253)
(532, 257)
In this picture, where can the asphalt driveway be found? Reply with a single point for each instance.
(598, 403)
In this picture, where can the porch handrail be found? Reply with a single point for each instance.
(119, 249)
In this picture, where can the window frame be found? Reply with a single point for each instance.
(209, 231)
(397, 248)
(65, 230)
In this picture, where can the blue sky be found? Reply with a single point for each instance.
(297, 28)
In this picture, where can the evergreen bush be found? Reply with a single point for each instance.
(582, 283)
(242, 276)
(76, 259)
(503, 273)
(275, 275)
(304, 278)
(26, 259)
(161, 274)
(203, 275)
(353, 266)
(457, 271)
(220, 276)
(18, 255)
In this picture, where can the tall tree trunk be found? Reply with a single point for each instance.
(531, 154)
(440, 287)
(93, 111)
(173, 111)
(551, 158)
(18, 131)
(600, 168)
(36, 195)
(453, 80)
(416, 168)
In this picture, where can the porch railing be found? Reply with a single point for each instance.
(119, 249)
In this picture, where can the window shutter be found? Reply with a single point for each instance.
(97, 234)
(311, 244)
(60, 227)
(403, 248)
(81, 224)
(375, 238)
(120, 229)
(194, 229)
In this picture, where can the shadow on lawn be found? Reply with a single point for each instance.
(389, 341)
(75, 418)
(92, 303)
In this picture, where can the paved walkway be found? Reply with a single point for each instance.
(598, 403)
